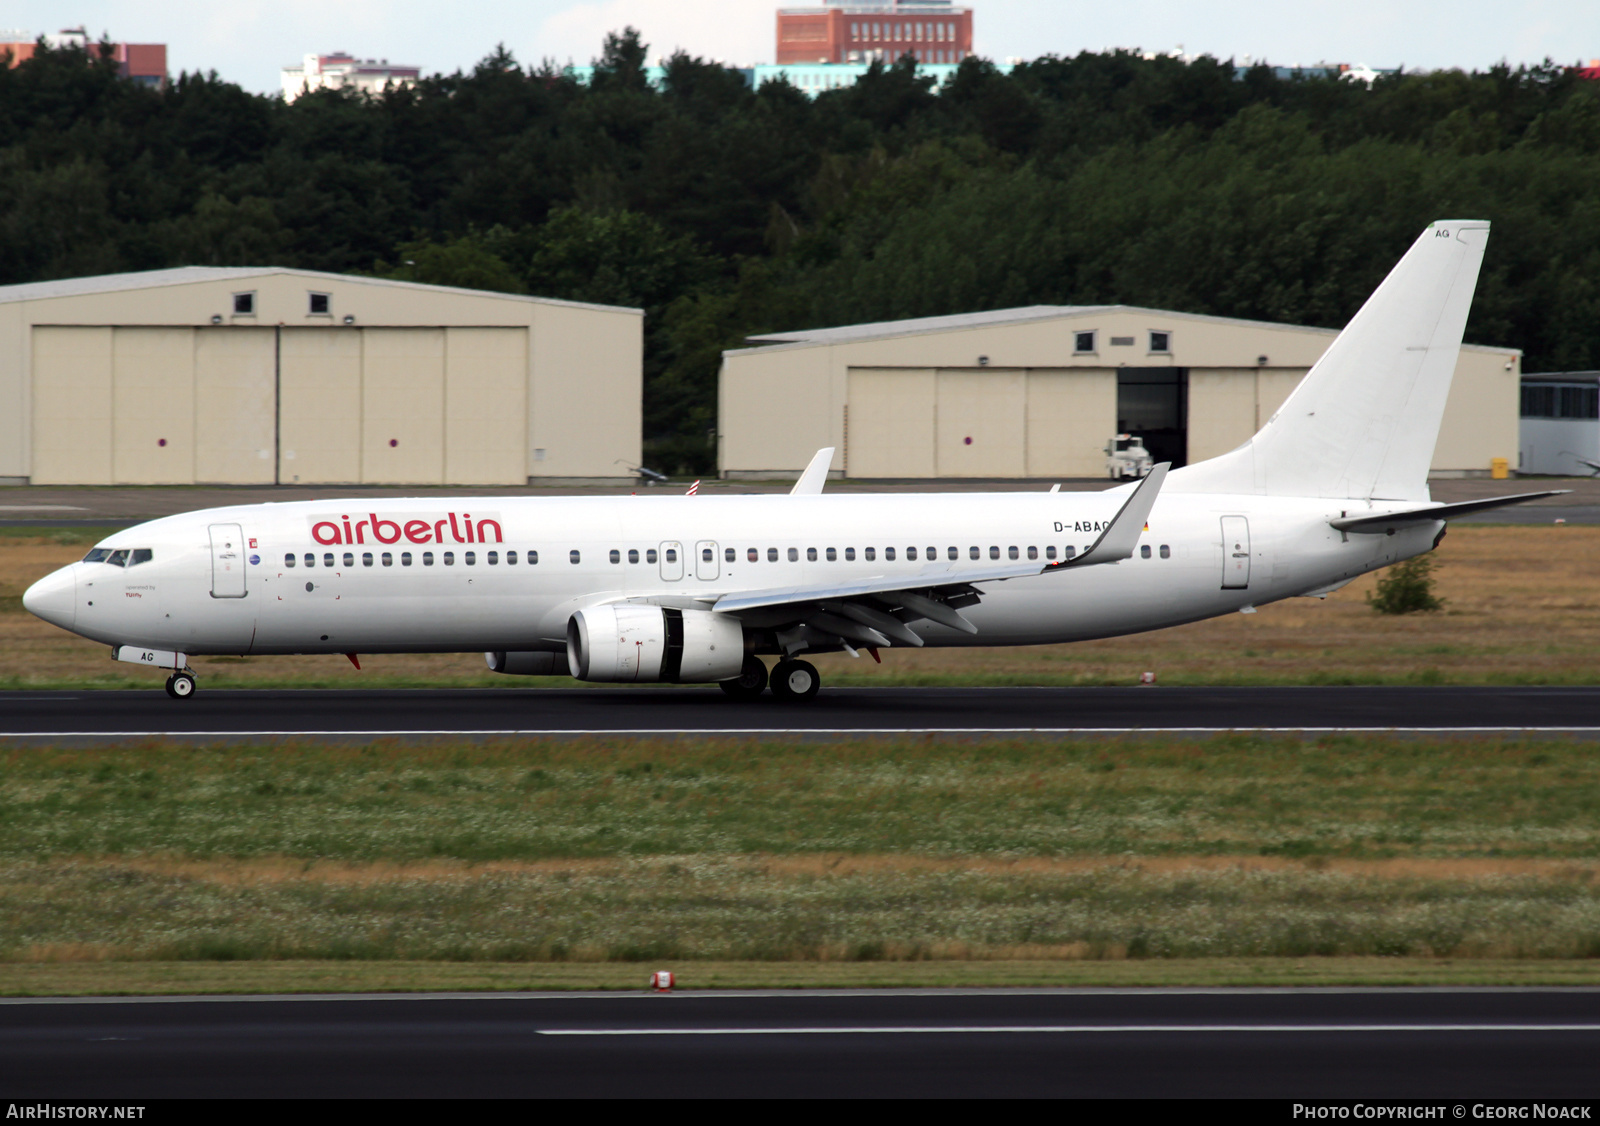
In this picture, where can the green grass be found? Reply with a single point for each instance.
(867, 851)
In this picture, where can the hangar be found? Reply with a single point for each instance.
(276, 376)
(1039, 391)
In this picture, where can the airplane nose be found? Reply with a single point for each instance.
(54, 598)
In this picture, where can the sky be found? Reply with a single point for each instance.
(250, 41)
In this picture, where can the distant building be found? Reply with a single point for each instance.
(1592, 71)
(340, 71)
(1560, 424)
(810, 79)
(861, 31)
(145, 63)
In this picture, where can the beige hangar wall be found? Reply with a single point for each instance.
(902, 403)
(151, 379)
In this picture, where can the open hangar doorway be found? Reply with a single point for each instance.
(1153, 403)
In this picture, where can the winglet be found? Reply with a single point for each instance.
(811, 481)
(1122, 534)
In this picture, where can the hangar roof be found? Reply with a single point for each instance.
(191, 275)
(999, 318)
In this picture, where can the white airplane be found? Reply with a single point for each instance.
(697, 589)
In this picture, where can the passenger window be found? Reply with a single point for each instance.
(471, 559)
(311, 560)
(140, 555)
(1144, 551)
(994, 552)
(366, 558)
(388, 559)
(794, 555)
(349, 559)
(754, 555)
(427, 559)
(511, 558)
(99, 555)
(888, 553)
(933, 553)
(772, 555)
(707, 555)
(533, 557)
(616, 556)
(449, 559)
(573, 556)
(1033, 552)
(954, 554)
(975, 553)
(118, 558)
(811, 554)
(493, 558)
(1068, 552)
(911, 554)
(833, 555)
(849, 555)
(650, 555)
(405, 559)
(1050, 552)
(1166, 551)
(633, 555)
(288, 560)
(728, 554)
(672, 555)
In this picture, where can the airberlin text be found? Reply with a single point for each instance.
(1083, 526)
(372, 528)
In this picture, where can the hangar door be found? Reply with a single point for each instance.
(152, 405)
(405, 406)
(978, 422)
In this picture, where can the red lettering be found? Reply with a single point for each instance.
(454, 531)
(467, 520)
(348, 538)
(483, 536)
(359, 525)
(417, 531)
(438, 532)
(378, 526)
(333, 530)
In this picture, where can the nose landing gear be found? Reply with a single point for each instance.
(180, 685)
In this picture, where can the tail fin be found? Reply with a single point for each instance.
(1364, 421)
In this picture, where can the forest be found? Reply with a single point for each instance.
(725, 211)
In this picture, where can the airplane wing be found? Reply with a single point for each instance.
(816, 474)
(1383, 523)
(854, 610)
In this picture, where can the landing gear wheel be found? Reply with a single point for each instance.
(795, 680)
(180, 686)
(750, 683)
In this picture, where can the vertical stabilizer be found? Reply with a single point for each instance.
(1364, 421)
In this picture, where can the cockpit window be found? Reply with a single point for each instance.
(98, 555)
(118, 558)
(127, 557)
(140, 555)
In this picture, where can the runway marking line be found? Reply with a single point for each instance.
(658, 731)
(935, 1029)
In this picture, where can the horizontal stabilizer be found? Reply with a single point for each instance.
(1385, 522)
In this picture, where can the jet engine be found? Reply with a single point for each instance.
(528, 664)
(629, 642)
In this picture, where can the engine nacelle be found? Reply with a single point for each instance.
(628, 642)
(528, 664)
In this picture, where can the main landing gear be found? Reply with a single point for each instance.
(791, 680)
(180, 685)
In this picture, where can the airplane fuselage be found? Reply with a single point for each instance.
(507, 573)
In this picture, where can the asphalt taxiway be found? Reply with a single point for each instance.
(339, 714)
(1446, 1044)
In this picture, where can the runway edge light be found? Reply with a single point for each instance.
(661, 981)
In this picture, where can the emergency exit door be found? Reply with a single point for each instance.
(1235, 553)
(227, 561)
(706, 567)
(672, 561)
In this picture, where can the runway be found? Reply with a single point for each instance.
(1454, 1045)
(419, 714)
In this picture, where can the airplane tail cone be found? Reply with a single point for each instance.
(1364, 421)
